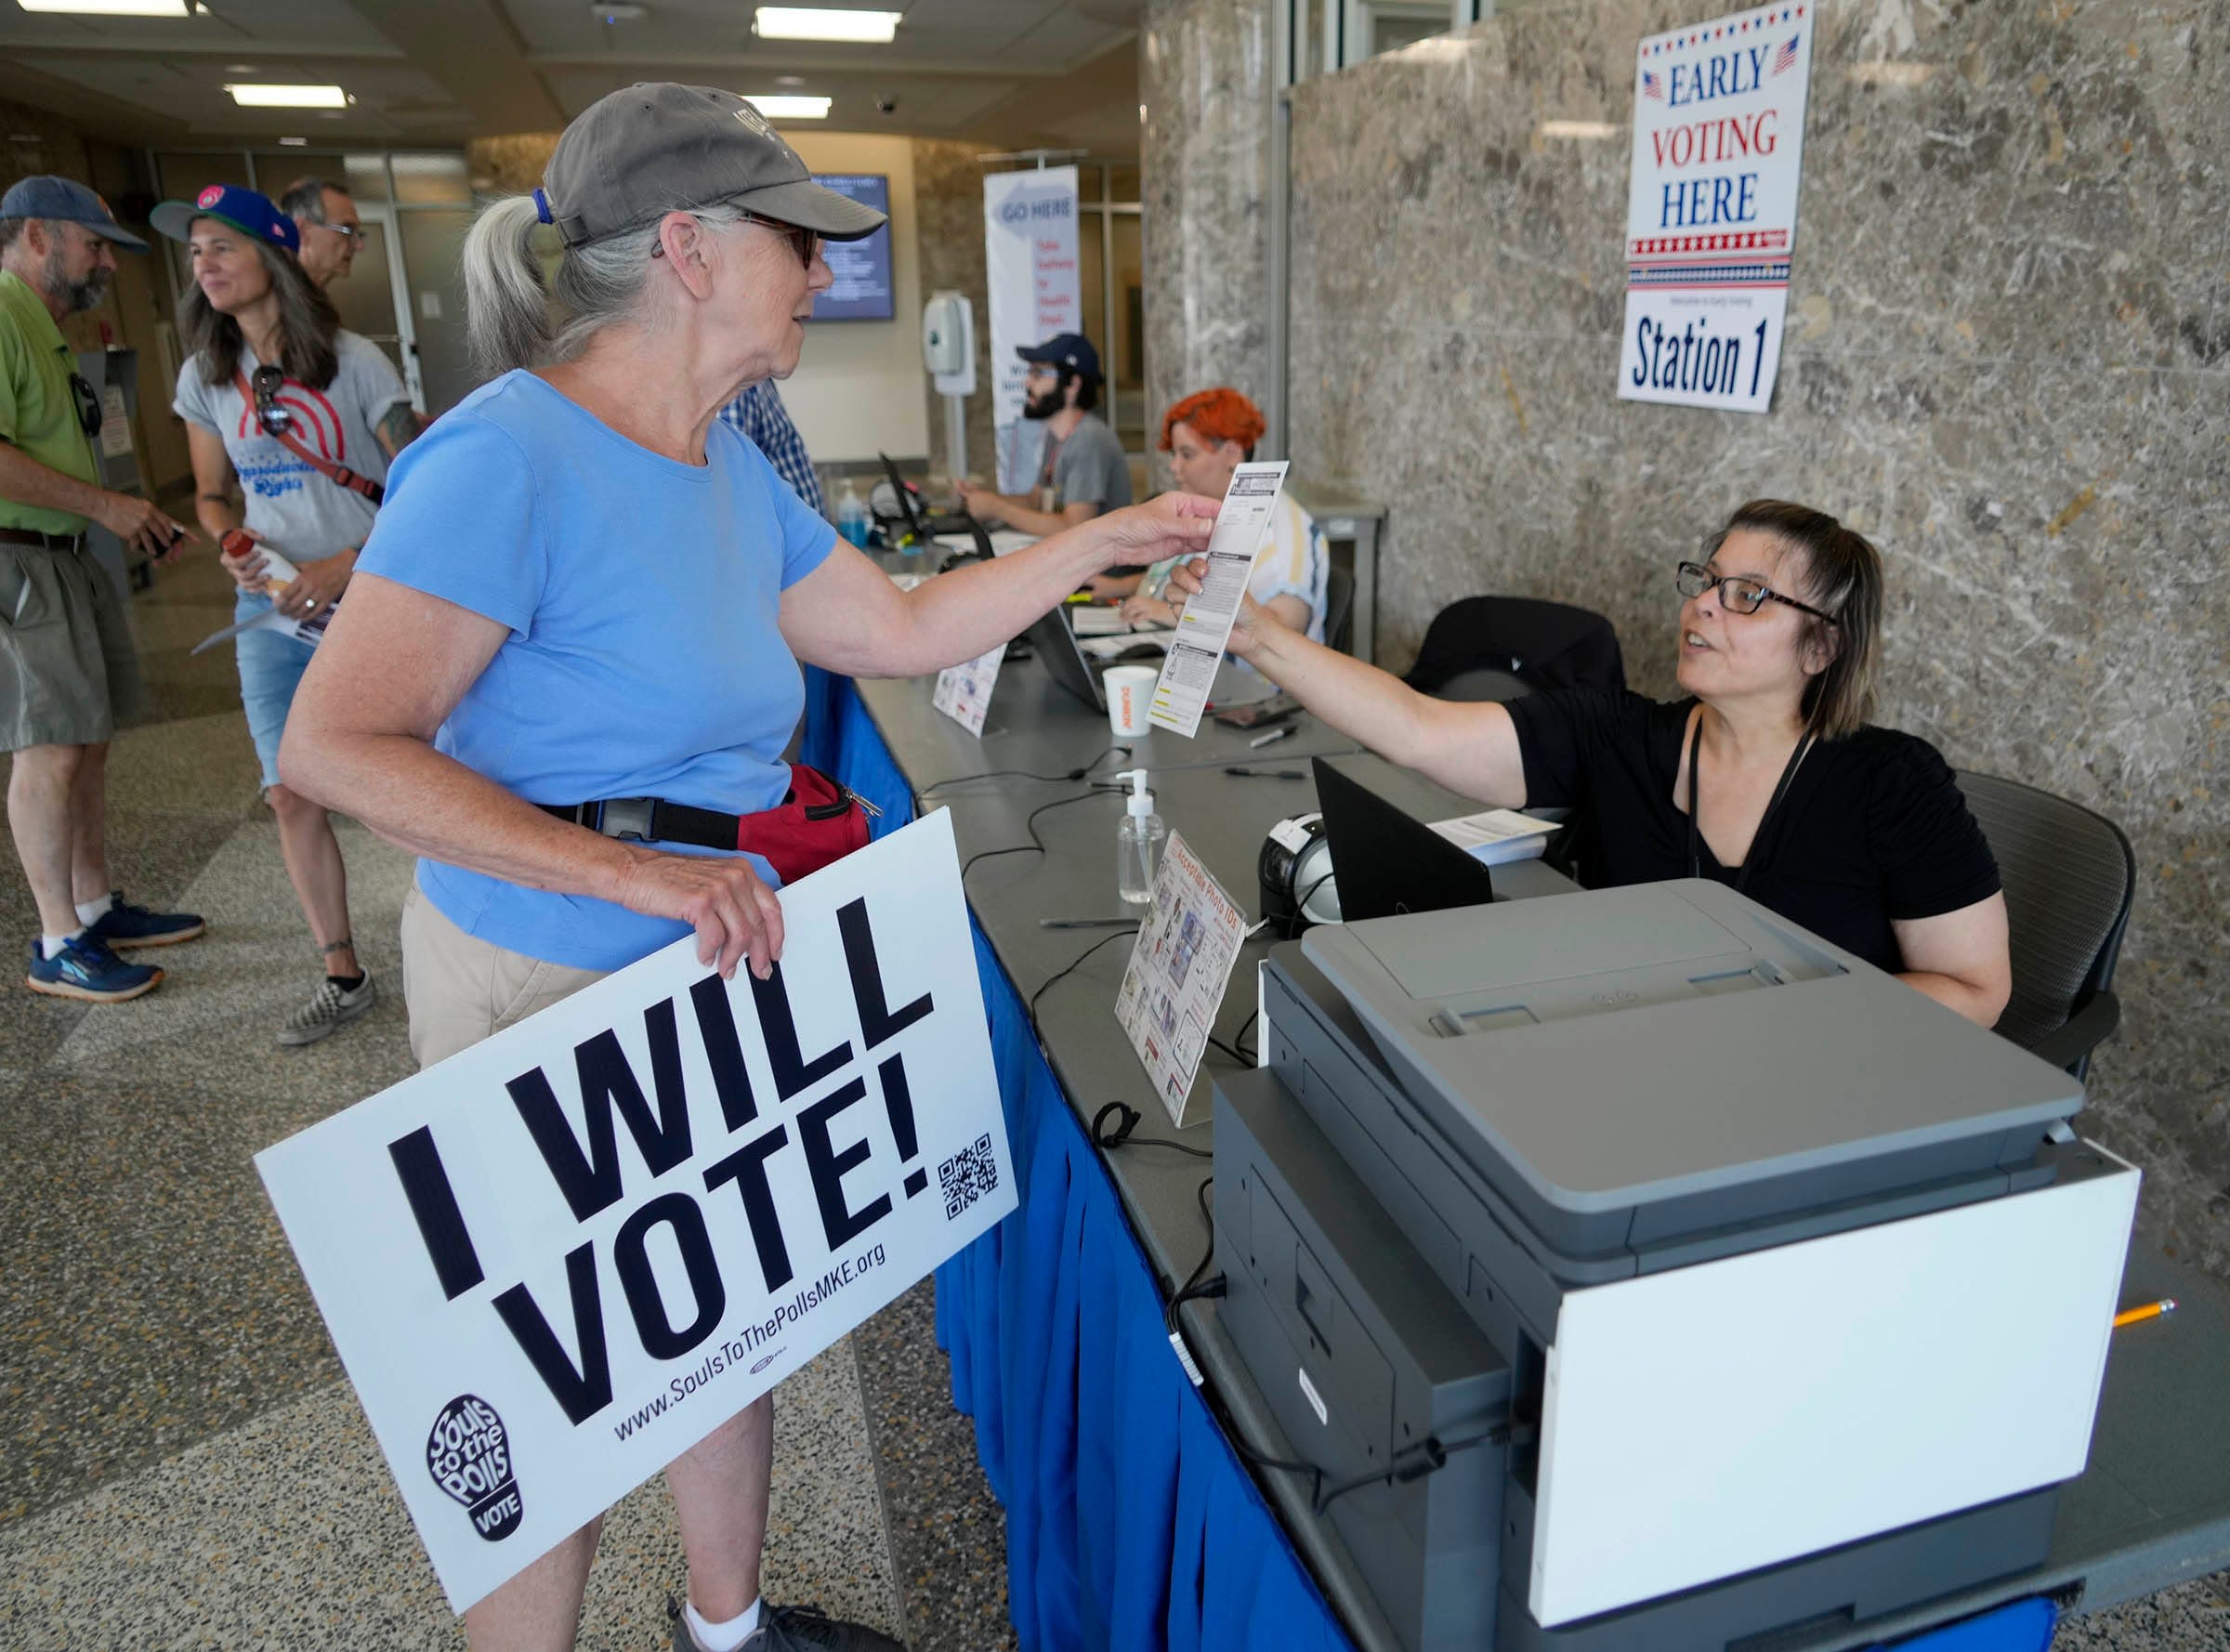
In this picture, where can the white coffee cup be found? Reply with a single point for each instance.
(1130, 691)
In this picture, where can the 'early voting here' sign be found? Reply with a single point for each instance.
(1711, 212)
(561, 1258)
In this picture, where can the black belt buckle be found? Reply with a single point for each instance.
(624, 818)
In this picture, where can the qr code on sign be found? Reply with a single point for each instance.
(968, 1175)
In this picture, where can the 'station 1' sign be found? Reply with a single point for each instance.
(1711, 212)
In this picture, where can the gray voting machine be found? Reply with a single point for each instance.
(1639, 1271)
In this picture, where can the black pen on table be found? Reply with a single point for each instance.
(1265, 774)
(1085, 923)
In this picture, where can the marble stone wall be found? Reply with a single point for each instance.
(948, 222)
(2008, 362)
(1204, 72)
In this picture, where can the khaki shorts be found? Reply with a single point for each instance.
(69, 674)
(459, 989)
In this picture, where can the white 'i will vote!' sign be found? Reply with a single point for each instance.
(561, 1258)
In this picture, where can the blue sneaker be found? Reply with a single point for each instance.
(123, 928)
(86, 969)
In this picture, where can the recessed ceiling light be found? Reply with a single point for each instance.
(789, 80)
(819, 22)
(264, 97)
(294, 143)
(240, 67)
(778, 106)
(617, 12)
(110, 9)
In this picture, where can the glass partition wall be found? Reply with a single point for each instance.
(403, 291)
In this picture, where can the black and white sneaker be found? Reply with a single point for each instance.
(329, 1007)
(792, 1629)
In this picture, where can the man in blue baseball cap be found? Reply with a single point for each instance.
(1082, 470)
(67, 681)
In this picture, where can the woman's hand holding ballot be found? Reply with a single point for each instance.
(1247, 630)
(847, 616)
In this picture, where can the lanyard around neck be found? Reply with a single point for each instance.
(1749, 859)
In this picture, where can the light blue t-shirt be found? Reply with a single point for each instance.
(644, 658)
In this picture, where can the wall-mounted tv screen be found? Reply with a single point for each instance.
(862, 292)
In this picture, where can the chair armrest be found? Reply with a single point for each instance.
(2081, 1032)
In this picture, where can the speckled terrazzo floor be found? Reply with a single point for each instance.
(181, 1464)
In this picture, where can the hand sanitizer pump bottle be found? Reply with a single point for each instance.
(1138, 842)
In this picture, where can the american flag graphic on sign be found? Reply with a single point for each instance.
(1652, 86)
(1785, 59)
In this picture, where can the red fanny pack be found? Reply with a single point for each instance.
(818, 823)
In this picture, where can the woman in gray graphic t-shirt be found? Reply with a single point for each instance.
(303, 418)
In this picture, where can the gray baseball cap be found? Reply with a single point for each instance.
(67, 200)
(632, 156)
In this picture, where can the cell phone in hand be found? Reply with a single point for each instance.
(1260, 715)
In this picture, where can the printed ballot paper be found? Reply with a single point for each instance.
(1197, 646)
(964, 691)
(1498, 836)
(559, 1259)
(1179, 966)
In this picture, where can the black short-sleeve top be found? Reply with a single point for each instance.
(1873, 826)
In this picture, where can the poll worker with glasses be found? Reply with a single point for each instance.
(67, 671)
(1766, 776)
(586, 588)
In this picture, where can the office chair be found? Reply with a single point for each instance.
(1499, 648)
(2069, 876)
(1339, 609)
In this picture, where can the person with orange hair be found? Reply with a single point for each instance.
(1207, 436)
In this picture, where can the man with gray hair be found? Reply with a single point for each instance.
(68, 672)
(325, 212)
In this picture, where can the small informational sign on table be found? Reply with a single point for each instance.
(1204, 624)
(1179, 967)
(964, 691)
(557, 1260)
(1711, 215)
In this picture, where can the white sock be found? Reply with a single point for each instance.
(721, 1637)
(50, 946)
(91, 912)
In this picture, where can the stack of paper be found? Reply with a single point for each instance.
(1497, 835)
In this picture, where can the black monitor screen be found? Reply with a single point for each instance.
(862, 292)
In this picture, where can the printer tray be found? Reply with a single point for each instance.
(1789, 1606)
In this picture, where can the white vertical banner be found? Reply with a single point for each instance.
(557, 1260)
(1031, 272)
(1710, 211)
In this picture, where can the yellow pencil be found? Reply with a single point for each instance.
(2151, 1310)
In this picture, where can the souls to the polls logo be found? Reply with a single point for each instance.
(469, 1455)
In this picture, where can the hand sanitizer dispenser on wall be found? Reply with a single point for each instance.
(949, 352)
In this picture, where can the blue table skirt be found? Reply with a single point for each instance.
(1131, 1523)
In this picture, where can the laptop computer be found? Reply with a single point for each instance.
(1052, 642)
(1052, 638)
(1386, 861)
(923, 526)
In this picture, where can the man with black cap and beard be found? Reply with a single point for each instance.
(1082, 470)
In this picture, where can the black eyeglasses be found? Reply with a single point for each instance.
(89, 403)
(803, 241)
(275, 419)
(1739, 593)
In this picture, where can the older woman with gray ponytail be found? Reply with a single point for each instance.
(584, 589)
